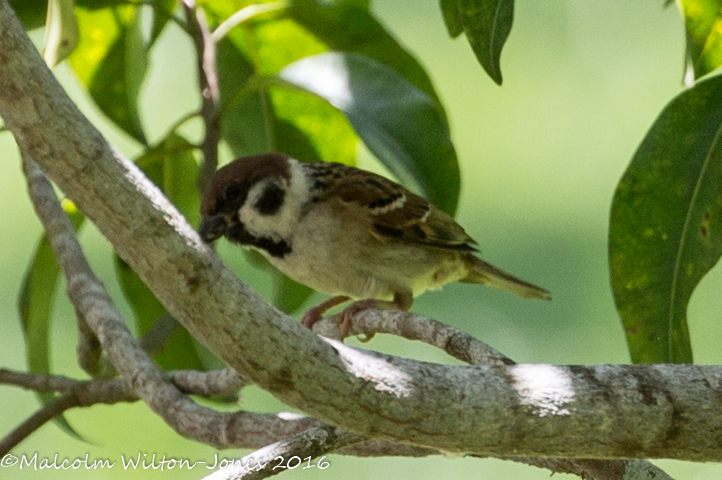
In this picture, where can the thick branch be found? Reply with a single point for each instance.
(530, 410)
(468, 349)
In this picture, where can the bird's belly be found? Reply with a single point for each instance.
(343, 260)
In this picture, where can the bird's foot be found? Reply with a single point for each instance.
(315, 314)
(400, 302)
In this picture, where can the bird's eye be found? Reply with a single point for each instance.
(233, 192)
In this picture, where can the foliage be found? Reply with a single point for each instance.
(664, 226)
(312, 78)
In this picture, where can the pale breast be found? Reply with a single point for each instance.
(335, 253)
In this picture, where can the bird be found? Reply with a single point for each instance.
(346, 232)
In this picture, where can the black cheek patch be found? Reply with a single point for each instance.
(271, 199)
(237, 233)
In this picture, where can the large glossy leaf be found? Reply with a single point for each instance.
(452, 17)
(666, 224)
(318, 122)
(36, 304)
(172, 166)
(703, 24)
(257, 120)
(111, 61)
(347, 28)
(405, 128)
(487, 24)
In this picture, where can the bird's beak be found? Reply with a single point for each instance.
(212, 227)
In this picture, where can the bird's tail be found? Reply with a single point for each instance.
(482, 272)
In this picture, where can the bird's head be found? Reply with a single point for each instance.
(252, 186)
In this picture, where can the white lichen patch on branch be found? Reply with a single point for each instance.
(546, 388)
(386, 376)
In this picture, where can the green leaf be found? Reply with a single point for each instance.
(255, 120)
(318, 122)
(111, 61)
(32, 13)
(365, 4)
(452, 17)
(347, 28)
(36, 304)
(487, 24)
(162, 11)
(244, 120)
(172, 166)
(99, 4)
(666, 224)
(703, 24)
(289, 295)
(401, 125)
(61, 31)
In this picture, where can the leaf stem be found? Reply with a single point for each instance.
(245, 14)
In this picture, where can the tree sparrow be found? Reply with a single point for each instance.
(346, 232)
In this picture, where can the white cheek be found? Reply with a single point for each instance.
(280, 225)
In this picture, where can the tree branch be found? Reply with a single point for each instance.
(90, 298)
(466, 348)
(253, 430)
(210, 93)
(312, 443)
(410, 326)
(239, 429)
(46, 413)
(532, 410)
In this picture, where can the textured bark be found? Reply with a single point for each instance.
(602, 411)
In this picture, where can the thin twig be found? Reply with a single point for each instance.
(89, 297)
(221, 382)
(411, 326)
(73, 393)
(206, 384)
(245, 14)
(210, 91)
(49, 411)
(89, 351)
(253, 430)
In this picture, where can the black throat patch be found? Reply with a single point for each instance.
(237, 233)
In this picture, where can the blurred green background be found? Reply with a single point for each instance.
(540, 159)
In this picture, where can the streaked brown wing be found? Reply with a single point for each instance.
(396, 213)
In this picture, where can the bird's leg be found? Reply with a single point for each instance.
(401, 301)
(315, 314)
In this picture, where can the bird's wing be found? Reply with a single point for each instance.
(395, 212)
